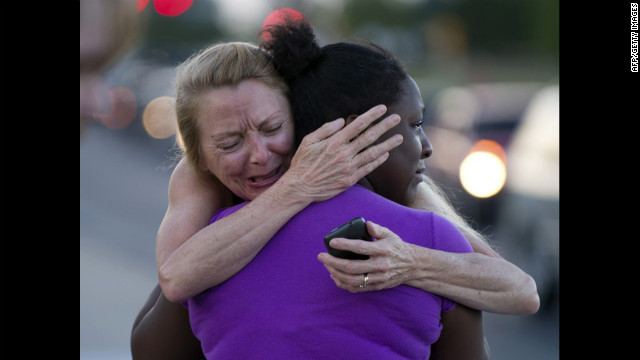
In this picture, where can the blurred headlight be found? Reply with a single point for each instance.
(483, 172)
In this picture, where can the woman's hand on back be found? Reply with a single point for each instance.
(333, 158)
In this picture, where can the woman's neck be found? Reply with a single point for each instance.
(364, 182)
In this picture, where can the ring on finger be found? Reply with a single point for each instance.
(366, 280)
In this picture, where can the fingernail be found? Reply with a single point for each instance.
(381, 109)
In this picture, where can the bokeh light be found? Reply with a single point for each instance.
(124, 107)
(172, 7)
(142, 4)
(159, 117)
(483, 172)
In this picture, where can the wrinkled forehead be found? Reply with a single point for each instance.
(250, 101)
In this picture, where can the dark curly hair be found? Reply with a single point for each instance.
(333, 81)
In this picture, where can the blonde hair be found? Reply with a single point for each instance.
(435, 200)
(219, 65)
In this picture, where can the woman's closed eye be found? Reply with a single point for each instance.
(273, 129)
(229, 145)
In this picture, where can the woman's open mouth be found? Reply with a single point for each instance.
(258, 179)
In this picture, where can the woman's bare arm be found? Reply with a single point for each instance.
(507, 289)
(192, 202)
(191, 260)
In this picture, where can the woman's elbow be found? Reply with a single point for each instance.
(171, 287)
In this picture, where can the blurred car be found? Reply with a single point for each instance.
(496, 154)
(528, 223)
(466, 125)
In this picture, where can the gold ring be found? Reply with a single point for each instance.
(366, 280)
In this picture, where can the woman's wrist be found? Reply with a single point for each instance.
(447, 274)
(426, 267)
(291, 190)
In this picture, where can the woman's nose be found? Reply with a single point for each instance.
(427, 150)
(259, 152)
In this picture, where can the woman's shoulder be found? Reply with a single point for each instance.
(447, 237)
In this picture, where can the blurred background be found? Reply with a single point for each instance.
(488, 72)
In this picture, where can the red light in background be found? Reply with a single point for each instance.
(142, 4)
(172, 7)
(167, 7)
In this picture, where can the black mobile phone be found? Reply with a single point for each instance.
(352, 229)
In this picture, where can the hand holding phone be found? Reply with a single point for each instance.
(352, 229)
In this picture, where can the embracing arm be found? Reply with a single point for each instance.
(326, 163)
(476, 280)
(481, 280)
(493, 284)
(193, 256)
(462, 336)
(162, 331)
